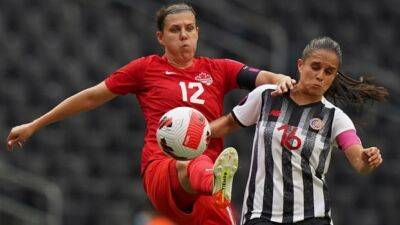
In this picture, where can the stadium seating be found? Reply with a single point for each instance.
(51, 49)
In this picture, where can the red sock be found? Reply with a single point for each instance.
(200, 172)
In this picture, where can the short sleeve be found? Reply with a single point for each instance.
(128, 78)
(232, 69)
(247, 112)
(341, 123)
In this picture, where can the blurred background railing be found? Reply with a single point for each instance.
(27, 198)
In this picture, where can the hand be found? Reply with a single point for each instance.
(372, 156)
(284, 85)
(19, 134)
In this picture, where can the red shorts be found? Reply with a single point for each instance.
(160, 181)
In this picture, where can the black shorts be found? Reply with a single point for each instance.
(311, 221)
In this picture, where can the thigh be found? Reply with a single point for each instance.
(157, 184)
(205, 212)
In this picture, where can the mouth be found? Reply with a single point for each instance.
(317, 85)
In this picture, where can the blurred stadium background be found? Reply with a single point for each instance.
(85, 170)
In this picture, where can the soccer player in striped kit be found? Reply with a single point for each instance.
(294, 136)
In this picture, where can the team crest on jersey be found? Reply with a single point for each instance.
(316, 123)
(204, 78)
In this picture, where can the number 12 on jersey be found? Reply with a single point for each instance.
(195, 96)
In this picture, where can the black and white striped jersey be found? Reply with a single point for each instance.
(290, 156)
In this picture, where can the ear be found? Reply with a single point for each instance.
(299, 64)
(159, 35)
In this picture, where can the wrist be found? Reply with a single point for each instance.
(283, 78)
(35, 125)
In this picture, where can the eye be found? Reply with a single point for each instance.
(315, 66)
(174, 29)
(329, 71)
(190, 28)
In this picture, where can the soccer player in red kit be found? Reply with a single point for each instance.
(181, 190)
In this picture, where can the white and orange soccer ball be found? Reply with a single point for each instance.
(183, 133)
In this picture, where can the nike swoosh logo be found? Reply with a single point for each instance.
(169, 73)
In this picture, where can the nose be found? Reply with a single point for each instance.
(320, 76)
(184, 34)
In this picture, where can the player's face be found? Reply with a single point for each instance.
(180, 35)
(318, 71)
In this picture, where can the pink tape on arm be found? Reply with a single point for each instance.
(347, 138)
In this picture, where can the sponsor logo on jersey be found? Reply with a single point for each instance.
(169, 72)
(316, 123)
(275, 113)
(204, 78)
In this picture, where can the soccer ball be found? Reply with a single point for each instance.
(183, 133)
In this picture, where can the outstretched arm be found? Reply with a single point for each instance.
(363, 160)
(83, 101)
(284, 83)
(223, 125)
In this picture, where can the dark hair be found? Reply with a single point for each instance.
(171, 9)
(344, 89)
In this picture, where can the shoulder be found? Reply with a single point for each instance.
(341, 121)
(265, 87)
(149, 59)
(339, 116)
(142, 63)
(262, 90)
(330, 105)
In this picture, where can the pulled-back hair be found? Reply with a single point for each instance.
(344, 89)
(171, 9)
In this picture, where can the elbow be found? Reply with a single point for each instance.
(215, 133)
(85, 100)
(91, 100)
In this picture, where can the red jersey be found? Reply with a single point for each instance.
(160, 87)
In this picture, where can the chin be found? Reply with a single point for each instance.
(315, 93)
(187, 55)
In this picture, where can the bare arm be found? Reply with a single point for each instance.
(283, 82)
(363, 160)
(223, 125)
(85, 100)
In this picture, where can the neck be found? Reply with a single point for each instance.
(303, 98)
(178, 62)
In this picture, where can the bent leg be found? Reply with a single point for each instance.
(204, 177)
(207, 212)
(196, 176)
(161, 184)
